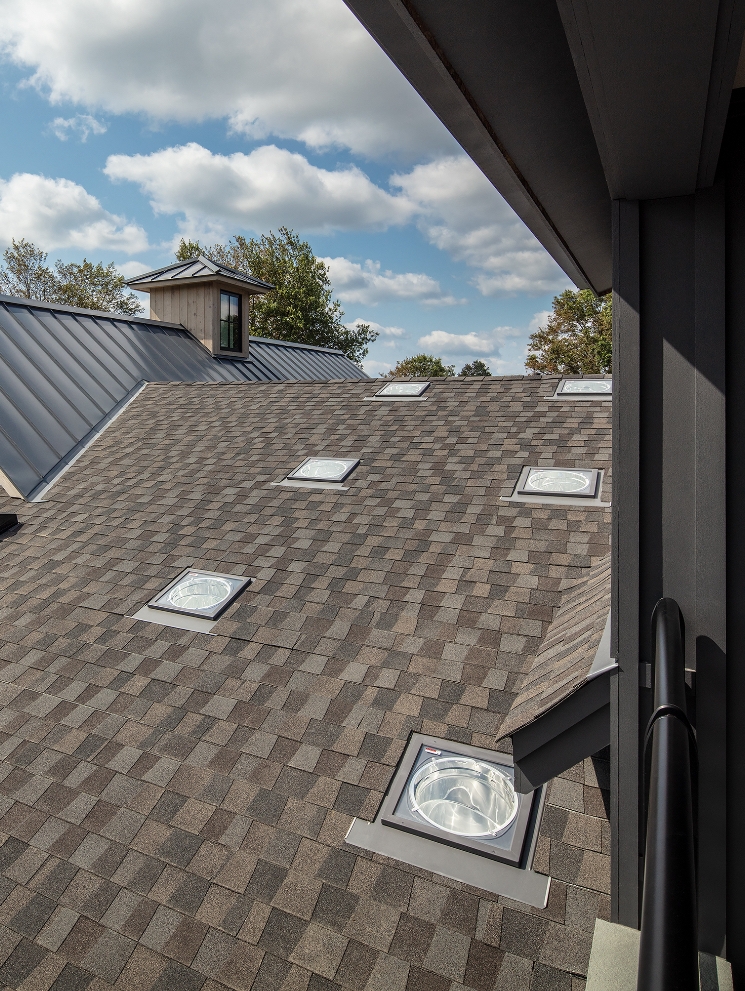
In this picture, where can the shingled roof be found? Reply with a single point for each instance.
(174, 805)
(566, 656)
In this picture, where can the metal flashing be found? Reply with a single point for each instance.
(37, 494)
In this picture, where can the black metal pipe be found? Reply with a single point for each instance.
(668, 949)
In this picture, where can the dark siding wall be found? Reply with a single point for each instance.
(670, 509)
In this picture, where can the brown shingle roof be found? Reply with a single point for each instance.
(565, 657)
(173, 806)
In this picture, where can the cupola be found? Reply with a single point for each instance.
(209, 300)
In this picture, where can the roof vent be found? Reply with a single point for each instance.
(324, 469)
(585, 388)
(205, 594)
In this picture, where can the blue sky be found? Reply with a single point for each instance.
(134, 124)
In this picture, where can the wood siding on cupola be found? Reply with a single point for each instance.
(196, 306)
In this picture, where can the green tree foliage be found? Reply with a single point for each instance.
(421, 366)
(300, 307)
(25, 273)
(94, 287)
(577, 338)
(188, 250)
(476, 367)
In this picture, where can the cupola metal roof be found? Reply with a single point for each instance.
(201, 269)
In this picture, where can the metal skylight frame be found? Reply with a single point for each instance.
(163, 600)
(589, 491)
(514, 844)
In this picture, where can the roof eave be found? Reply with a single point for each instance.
(250, 288)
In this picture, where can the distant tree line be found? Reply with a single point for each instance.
(428, 366)
(95, 287)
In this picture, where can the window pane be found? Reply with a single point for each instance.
(230, 322)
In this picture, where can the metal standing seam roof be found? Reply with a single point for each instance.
(198, 268)
(65, 370)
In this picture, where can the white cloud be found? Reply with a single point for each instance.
(288, 68)
(132, 268)
(266, 188)
(443, 342)
(82, 124)
(58, 213)
(461, 212)
(377, 368)
(388, 336)
(368, 285)
(539, 320)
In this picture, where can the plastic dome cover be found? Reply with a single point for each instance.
(587, 385)
(199, 592)
(403, 389)
(558, 480)
(464, 796)
(322, 468)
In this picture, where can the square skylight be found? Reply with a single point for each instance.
(570, 482)
(324, 469)
(460, 795)
(199, 593)
(395, 390)
(585, 387)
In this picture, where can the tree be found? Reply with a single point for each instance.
(421, 366)
(476, 367)
(577, 338)
(94, 287)
(25, 273)
(188, 250)
(300, 307)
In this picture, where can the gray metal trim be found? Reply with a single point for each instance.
(37, 494)
(175, 620)
(487, 875)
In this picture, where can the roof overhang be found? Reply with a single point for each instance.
(576, 728)
(238, 284)
(567, 105)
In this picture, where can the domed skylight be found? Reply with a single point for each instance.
(560, 482)
(199, 593)
(324, 469)
(398, 389)
(585, 387)
(463, 796)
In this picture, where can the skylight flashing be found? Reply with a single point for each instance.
(453, 809)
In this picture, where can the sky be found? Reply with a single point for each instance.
(129, 124)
